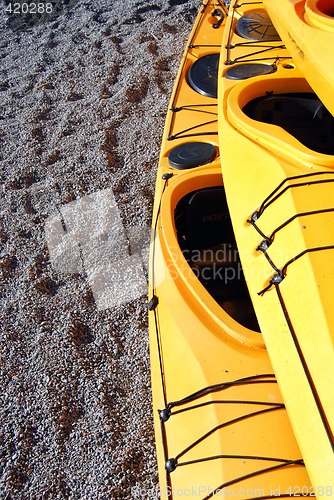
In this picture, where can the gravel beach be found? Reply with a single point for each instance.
(83, 98)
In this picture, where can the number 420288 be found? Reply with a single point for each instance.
(29, 8)
(310, 491)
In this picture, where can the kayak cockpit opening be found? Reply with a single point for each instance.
(319, 14)
(206, 238)
(301, 114)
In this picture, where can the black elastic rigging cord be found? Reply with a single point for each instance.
(227, 424)
(202, 45)
(184, 63)
(227, 402)
(302, 184)
(172, 137)
(304, 252)
(271, 197)
(224, 7)
(165, 450)
(238, 5)
(306, 369)
(253, 379)
(253, 223)
(244, 58)
(236, 457)
(257, 43)
(282, 272)
(275, 194)
(272, 263)
(269, 239)
(166, 414)
(252, 475)
(167, 177)
(191, 107)
(184, 133)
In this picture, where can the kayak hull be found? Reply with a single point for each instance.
(307, 29)
(220, 422)
(280, 196)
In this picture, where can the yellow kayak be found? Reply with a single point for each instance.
(307, 29)
(220, 423)
(277, 147)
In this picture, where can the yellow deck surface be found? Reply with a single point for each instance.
(307, 29)
(228, 432)
(283, 191)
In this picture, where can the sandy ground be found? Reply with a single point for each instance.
(83, 99)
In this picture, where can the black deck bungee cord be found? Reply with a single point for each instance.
(226, 424)
(184, 133)
(245, 57)
(253, 43)
(282, 273)
(275, 194)
(236, 457)
(198, 45)
(252, 475)
(258, 43)
(173, 463)
(268, 201)
(153, 303)
(290, 186)
(238, 5)
(313, 388)
(227, 402)
(253, 379)
(189, 107)
(278, 271)
(304, 252)
(269, 239)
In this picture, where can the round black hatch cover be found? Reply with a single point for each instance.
(203, 75)
(248, 70)
(257, 25)
(191, 154)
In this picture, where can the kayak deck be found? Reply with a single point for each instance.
(221, 425)
(220, 422)
(280, 196)
(307, 29)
